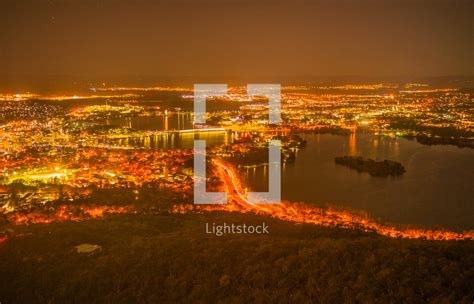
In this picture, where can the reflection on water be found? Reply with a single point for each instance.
(174, 140)
(180, 121)
(166, 141)
(352, 144)
(437, 188)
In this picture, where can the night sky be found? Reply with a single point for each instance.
(242, 38)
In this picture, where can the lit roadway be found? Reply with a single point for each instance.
(330, 218)
(233, 188)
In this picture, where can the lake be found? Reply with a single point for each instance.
(436, 190)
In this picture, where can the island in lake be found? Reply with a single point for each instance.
(374, 168)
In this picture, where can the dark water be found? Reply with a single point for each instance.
(436, 190)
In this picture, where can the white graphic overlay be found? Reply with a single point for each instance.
(201, 196)
(273, 93)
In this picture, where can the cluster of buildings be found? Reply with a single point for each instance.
(49, 151)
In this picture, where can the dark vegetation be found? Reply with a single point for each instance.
(374, 168)
(257, 155)
(455, 141)
(430, 135)
(292, 141)
(170, 259)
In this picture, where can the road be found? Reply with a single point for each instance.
(237, 201)
(236, 194)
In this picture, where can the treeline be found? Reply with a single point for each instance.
(455, 141)
(170, 259)
(374, 168)
(432, 135)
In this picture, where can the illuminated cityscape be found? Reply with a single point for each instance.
(81, 158)
(204, 151)
(57, 151)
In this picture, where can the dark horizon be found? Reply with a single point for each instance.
(113, 39)
(71, 83)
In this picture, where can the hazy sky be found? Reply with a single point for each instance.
(244, 38)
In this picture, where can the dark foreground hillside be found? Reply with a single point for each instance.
(170, 259)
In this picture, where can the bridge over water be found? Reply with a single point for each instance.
(164, 133)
